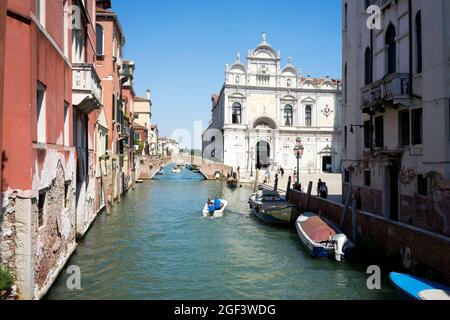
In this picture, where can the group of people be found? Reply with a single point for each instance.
(214, 205)
(322, 189)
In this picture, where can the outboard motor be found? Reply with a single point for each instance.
(339, 241)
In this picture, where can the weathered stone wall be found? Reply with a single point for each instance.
(420, 251)
(430, 212)
(55, 239)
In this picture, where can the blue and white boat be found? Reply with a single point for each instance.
(322, 238)
(415, 288)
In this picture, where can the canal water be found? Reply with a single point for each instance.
(156, 245)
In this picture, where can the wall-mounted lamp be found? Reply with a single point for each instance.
(356, 126)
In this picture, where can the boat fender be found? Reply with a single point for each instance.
(339, 241)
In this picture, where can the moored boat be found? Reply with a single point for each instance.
(232, 183)
(322, 238)
(176, 170)
(161, 172)
(271, 207)
(415, 288)
(217, 213)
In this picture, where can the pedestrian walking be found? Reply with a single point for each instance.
(319, 186)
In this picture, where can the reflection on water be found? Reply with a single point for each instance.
(157, 245)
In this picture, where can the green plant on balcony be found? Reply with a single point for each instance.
(140, 145)
(6, 282)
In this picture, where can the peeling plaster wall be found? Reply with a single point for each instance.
(37, 253)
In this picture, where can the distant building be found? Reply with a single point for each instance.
(153, 140)
(168, 147)
(109, 49)
(396, 110)
(263, 108)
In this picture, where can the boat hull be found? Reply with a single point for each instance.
(279, 216)
(409, 287)
(217, 213)
(319, 250)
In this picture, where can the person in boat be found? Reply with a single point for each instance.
(211, 207)
(218, 204)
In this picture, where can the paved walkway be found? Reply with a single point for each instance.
(333, 181)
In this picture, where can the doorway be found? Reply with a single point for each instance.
(262, 155)
(327, 164)
(391, 192)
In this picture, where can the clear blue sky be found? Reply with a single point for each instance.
(181, 46)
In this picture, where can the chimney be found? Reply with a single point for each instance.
(149, 94)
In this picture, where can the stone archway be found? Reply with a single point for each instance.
(263, 153)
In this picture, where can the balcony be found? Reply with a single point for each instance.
(87, 90)
(382, 4)
(391, 91)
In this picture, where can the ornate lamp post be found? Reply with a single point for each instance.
(298, 151)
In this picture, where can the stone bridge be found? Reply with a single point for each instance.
(209, 169)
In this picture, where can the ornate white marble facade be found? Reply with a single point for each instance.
(263, 105)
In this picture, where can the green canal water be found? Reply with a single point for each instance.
(156, 245)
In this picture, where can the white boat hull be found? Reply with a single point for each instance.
(217, 213)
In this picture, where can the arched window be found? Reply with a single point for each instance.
(345, 84)
(237, 113)
(419, 41)
(368, 66)
(288, 116)
(391, 50)
(99, 40)
(308, 116)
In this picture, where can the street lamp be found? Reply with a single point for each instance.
(298, 151)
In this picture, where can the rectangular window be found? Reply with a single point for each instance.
(345, 17)
(422, 185)
(367, 176)
(367, 134)
(114, 107)
(66, 125)
(347, 176)
(404, 127)
(41, 207)
(41, 114)
(66, 194)
(379, 132)
(416, 126)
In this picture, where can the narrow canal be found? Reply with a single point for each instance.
(155, 245)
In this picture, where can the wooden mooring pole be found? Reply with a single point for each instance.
(288, 188)
(308, 196)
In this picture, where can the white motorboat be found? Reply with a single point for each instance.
(322, 238)
(176, 170)
(217, 213)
